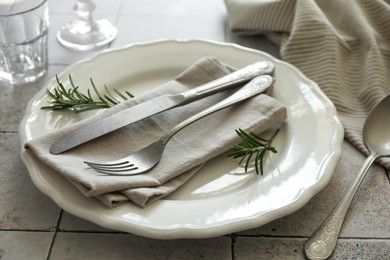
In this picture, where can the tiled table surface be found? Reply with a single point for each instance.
(34, 227)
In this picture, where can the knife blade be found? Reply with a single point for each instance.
(157, 105)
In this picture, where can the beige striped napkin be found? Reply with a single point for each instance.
(344, 46)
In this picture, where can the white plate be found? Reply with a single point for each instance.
(216, 201)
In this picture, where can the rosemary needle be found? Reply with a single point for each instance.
(73, 99)
(253, 148)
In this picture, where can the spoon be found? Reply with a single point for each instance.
(376, 136)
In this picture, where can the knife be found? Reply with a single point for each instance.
(157, 105)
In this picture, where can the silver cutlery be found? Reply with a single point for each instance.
(159, 104)
(376, 135)
(148, 157)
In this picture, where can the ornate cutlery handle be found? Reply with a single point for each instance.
(323, 242)
(240, 76)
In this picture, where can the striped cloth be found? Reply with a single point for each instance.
(342, 45)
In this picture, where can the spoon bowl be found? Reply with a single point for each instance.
(376, 132)
(376, 136)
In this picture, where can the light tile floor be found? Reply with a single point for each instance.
(33, 227)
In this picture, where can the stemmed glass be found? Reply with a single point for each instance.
(85, 33)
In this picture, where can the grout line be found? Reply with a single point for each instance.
(305, 237)
(272, 236)
(25, 230)
(55, 234)
(233, 238)
(94, 232)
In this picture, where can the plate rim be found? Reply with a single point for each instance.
(188, 232)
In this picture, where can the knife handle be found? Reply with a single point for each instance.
(239, 76)
(253, 88)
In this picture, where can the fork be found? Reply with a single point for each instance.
(148, 157)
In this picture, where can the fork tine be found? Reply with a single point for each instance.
(124, 168)
(114, 167)
(106, 163)
(118, 173)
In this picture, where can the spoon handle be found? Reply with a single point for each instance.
(323, 242)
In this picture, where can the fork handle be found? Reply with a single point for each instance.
(252, 88)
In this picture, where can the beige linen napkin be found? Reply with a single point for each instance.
(185, 152)
(344, 46)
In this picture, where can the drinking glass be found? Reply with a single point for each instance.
(23, 40)
(85, 33)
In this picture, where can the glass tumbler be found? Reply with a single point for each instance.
(23, 40)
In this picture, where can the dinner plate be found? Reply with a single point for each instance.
(220, 198)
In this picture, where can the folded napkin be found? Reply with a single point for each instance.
(184, 154)
(344, 46)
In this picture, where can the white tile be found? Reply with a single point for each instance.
(14, 99)
(174, 7)
(370, 249)
(72, 223)
(140, 28)
(24, 245)
(292, 249)
(103, 7)
(126, 246)
(246, 248)
(22, 205)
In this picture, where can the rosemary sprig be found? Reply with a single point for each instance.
(73, 99)
(253, 146)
